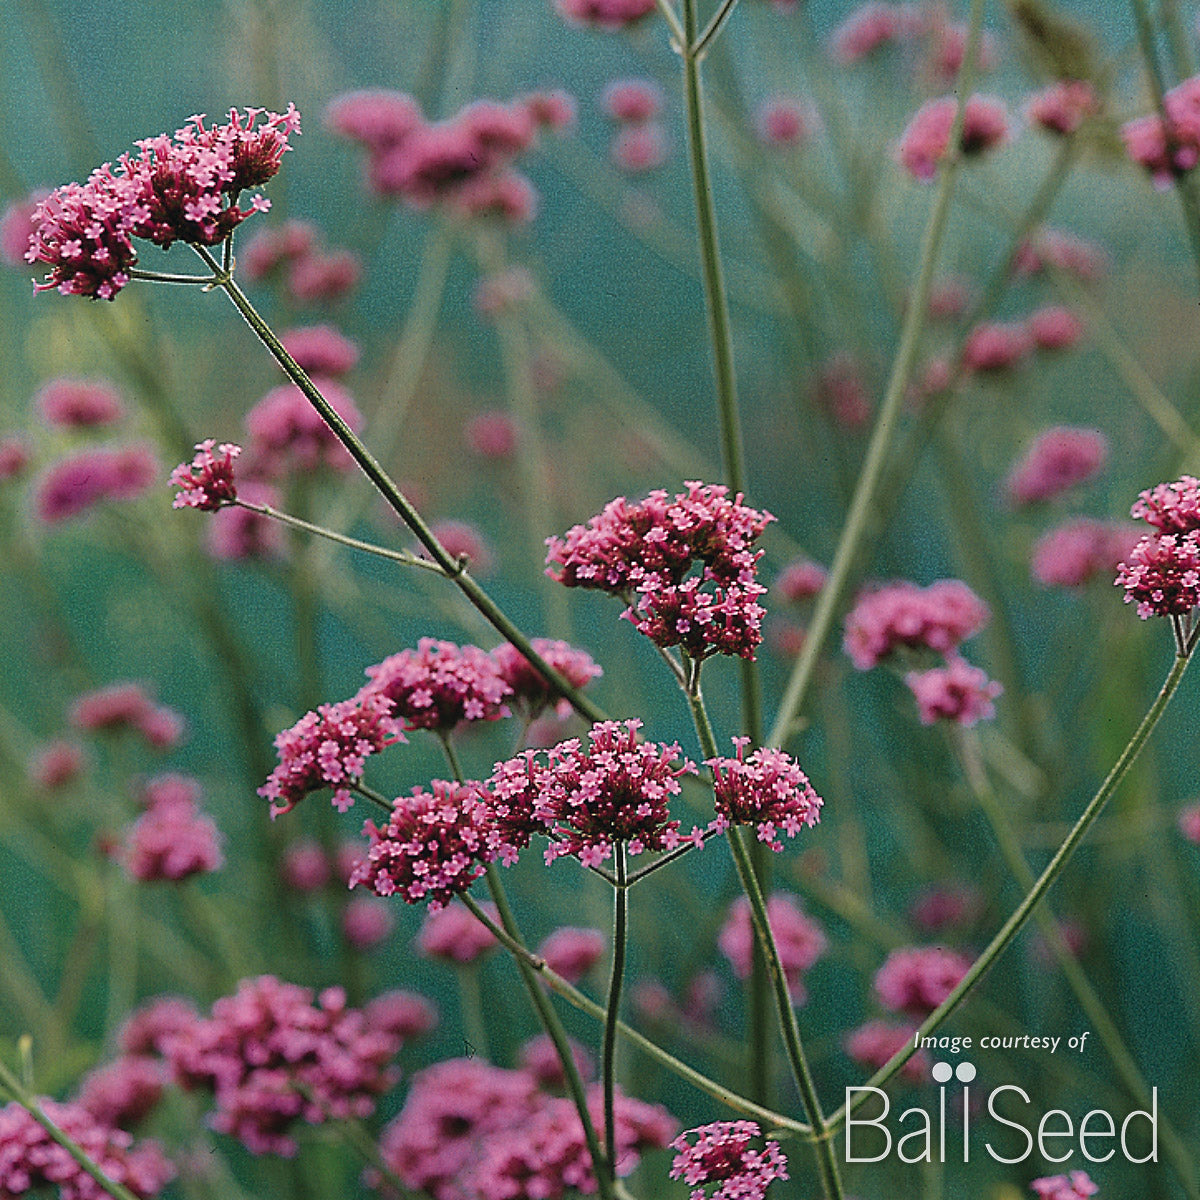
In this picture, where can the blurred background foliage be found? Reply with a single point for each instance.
(821, 246)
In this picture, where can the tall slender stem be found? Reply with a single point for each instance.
(399, 503)
(867, 488)
(613, 1005)
(1016, 922)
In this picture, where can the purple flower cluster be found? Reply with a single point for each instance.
(529, 687)
(799, 940)
(124, 1091)
(31, 1160)
(645, 552)
(767, 790)
(287, 434)
(327, 748)
(1058, 459)
(78, 403)
(874, 1044)
(1162, 573)
(464, 163)
(1172, 148)
(926, 140)
(471, 1131)
(207, 482)
(956, 692)
(915, 980)
(272, 1057)
(1076, 551)
(722, 1154)
(182, 188)
(172, 839)
(127, 706)
(939, 617)
(1076, 1186)
(1063, 107)
(75, 484)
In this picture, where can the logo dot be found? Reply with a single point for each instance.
(965, 1072)
(942, 1072)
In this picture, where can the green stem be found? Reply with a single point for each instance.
(713, 29)
(612, 1007)
(470, 999)
(793, 1046)
(1106, 1029)
(399, 503)
(1009, 930)
(576, 998)
(549, 1020)
(866, 490)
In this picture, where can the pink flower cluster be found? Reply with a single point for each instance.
(1168, 150)
(56, 764)
(75, 484)
(571, 952)
(465, 163)
(722, 1154)
(1071, 554)
(798, 938)
(320, 349)
(1063, 251)
(172, 839)
(78, 403)
(956, 692)
(1162, 572)
(182, 188)
(1058, 459)
(871, 26)
(31, 1160)
(455, 935)
(471, 1131)
(439, 684)
(767, 790)
(842, 392)
(207, 482)
(644, 553)
(926, 140)
(800, 580)
(875, 1043)
(640, 142)
(434, 845)
(783, 122)
(1076, 1186)
(313, 274)
(608, 15)
(529, 688)
(288, 434)
(939, 617)
(328, 748)
(124, 1091)
(121, 706)
(997, 346)
(1063, 107)
(917, 979)
(1189, 823)
(272, 1057)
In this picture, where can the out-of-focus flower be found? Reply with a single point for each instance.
(236, 533)
(320, 349)
(78, 403)
(1076, 1186)
(956, 692)
(320, 277)
(1189, 823)
(940, 617)
(555, 110)
(17, 225)
(172, 840)
(502, 291)
(305, 866)
(529, 688)
(995, 346)
(916, 979)
(1063, 107)
(463, 541)
(1054, 327)
(402, 1014)
(869, 27)
(783, 122)
(455, 935)
(609, 15)
(288, 434)
(800, 580)
(636, 149)
(572, 952)
(874, 1044)
(925, 141)
(1071, 554)
(75, 484)
(122, 706)
(491, 435)
(268, 249)
(1171, 149)
(56, 764)
(14, 456)
(1063, 251)
(123, 1092)
(1057, 460)
(539, 1057)
(798, 938)
(366, 922)
(842, 392)
(632, 100)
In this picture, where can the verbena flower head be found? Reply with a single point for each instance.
(434, 845)
(1064, 251)
(573, 952)
(126, 706)
(722, 1154)
(1169, 150)
(644, 553)
(529, 688)
(455, 935)
(288, 434)
(272, 1057)
(306, 866)
(323, 276)
(328, 748)
(367, 921)
(609, 15)
(638, 148)
(78, 403)
(915, 980)
(466, 543)
(56, 764)
(1076, 1186)
(956, 692)
(172, 840)
(873, 1044)
(31, 1160)
(1057, 460)
(320, 349)
(235, 532)
(123, 1092)
(405, 1015)
(798, 938)
(800, 580)
(1171, 507)
(997, 346)
(842, 392)
(14, 456)
(939, 617)
(439, 684)
(926, 140)
(539, 1057)
(207, 482)
(614, 789)
(632, 100)
(184, 187)
(1188, 823)
(868, 28)
(767, 790)
(1063, 107)
(148, 1027)
(75, 484)
(491, 435)
(783, 122)
(1162, 575)
(1054, 327)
